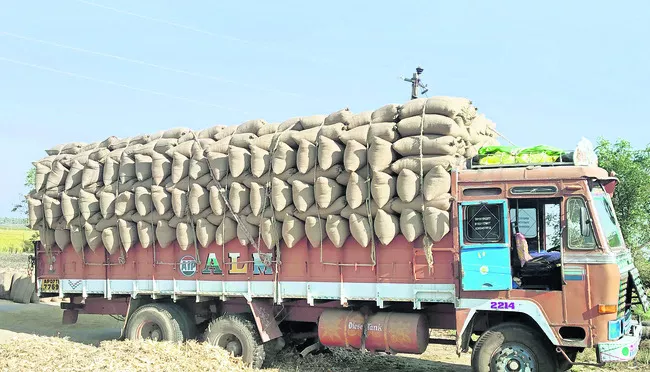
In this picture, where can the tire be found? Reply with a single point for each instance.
(239, 336)
(186, 321)
(155, 321)
(512, 342)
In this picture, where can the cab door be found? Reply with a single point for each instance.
(485, 245)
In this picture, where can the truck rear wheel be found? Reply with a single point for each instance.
(158, 322)
(186, 321)
(238, 336)
(511, 347)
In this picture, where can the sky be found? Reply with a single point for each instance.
(83, 70)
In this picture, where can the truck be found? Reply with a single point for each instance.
(573, 287)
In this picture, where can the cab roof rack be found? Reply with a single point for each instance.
(564, 160)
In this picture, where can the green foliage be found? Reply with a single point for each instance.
(632, 197)
(30, 183)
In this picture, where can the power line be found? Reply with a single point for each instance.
(109, 82)
(144, 63)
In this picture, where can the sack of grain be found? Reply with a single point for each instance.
(179, 202)
(57, 176)
(302, 195)
(283, 158)
(143, 202)
(146, 234)
(205, 232)
(180, 167)
(333, 132)
(106, 204)
(437, 182)
(442, 202)
(260, 161)
(382, 188)
(218, 164)
(431, 144)
(70, 208)
(293, 230)
(259, 199)
(306, 156)
(408, 185)
(411, 224)
(313, 121)
(436, 223)
(273, 128)
(309, 177)
(62, 238)
(128, 232)
(386, 131)
(239, 160)
(226, 231)
(360, 229)
(88, 204)
(111, 239)
(315, 230)
(199, 166)
(359, 134)
(330, 152)
(334, 209)
(165, 234)
(356, 191)
(432, 124)
(428, 162)
(184, 235)
(326, 191)
(357, 120)
(247, 233)
(446, 106)
(93, 236)
(77, 238)
(35, 210)
(380, 154)
(355, 156)
(270, 231)
(281, 193)
(386, 226)
(338, 230)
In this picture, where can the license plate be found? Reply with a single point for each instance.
(50, 286)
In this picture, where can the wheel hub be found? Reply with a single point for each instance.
(150, 330)
(514, 358)
(234, 347)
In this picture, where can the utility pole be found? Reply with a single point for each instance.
(416, 82)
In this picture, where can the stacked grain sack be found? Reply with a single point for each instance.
(369, 176)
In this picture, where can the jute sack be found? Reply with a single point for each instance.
(429, 162)
(106, 205)
(333, 172)
(247, 232)
(105, 223)
(437, 182)
(143, 201)
(330, 152)
(359, 134)
(165, 234)
(282, 215)
(380, 154)
(77, 238)
(205, 232)
(386, 131)
(250, 126)
(259, 200)
(47, 238)
(382, 188)
(281, 194)
(386, 226)
(62, 238)
(218, 165)
(289, 124)
(57, 176)
(436, 223)
(243, 140)
(411, 224)
(35, 210)
(306, 156)
(111, 239)
(161, 199)
(239, 160)
(216, 200)
(111, 171)
(270, 231)
(146, 234)
(302, 195)
(326, 191)
(314, 210)
(408, 185)
(127, 168)
(238, 197)
(74, 175)
(341, 116)
(355, 156)
(184, 235)
(143, 166)
(308, 122)
(52, 210)
(357, 120)
(443, 202)
(315, 230)
(198, 199)
(441, 105)
(93, 236)
(260, 161)
(199, 166)
(432, 144)
(269, 142)
(128, 232)
(179, 202)
(180, 167)
(225, 132)
(386, 113)
(433, 124)
(360, 229)
(312, 135)
(356, 191)
(283, 158)
(293, 230)
(92, 173)
(88, 204)
(226, 231)
(338, 230)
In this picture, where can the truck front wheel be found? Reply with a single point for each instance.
(156, 322)
(239, 337)
(510, 347)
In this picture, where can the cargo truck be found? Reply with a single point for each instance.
(533, 271)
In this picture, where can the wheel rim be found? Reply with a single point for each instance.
(514, 358)
(150, 331)
(231, 343)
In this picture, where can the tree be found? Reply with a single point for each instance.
(632, 197)
(30, 183)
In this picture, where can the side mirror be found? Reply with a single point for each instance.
(584, 222)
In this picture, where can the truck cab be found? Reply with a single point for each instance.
(541, 245)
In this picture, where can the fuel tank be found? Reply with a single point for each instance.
(385, 331)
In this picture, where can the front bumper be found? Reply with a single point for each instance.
(622, 350)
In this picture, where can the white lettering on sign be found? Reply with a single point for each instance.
(370, 327)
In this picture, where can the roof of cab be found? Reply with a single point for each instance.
(531, 173)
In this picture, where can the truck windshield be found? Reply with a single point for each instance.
(607, 220)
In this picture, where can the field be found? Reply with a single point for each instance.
(14, 239)
(90, 345)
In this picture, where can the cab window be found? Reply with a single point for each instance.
(580, 233)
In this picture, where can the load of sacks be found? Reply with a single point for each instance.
(368, 176)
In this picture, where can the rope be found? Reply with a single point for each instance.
(426, 240)
(373, 246)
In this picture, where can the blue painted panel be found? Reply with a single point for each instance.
(486, 269)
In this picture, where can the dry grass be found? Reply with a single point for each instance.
(37, 353)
